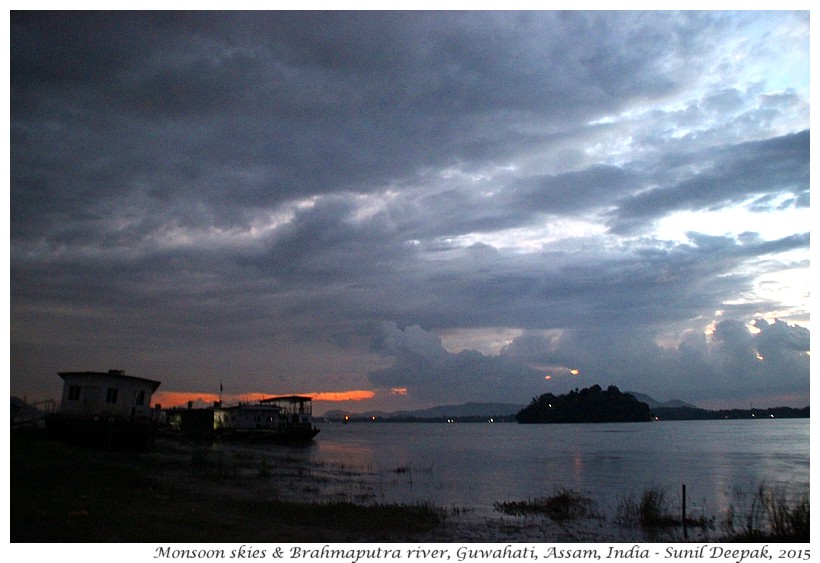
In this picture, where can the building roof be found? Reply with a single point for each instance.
(111, 373)
(287, 399)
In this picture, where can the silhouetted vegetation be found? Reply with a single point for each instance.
(565, 504)
(656, 514)
(652, 509)
(591, 404)
(771, 517)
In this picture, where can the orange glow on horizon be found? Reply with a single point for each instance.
(335, 396)
(182, 398)
(170, 399)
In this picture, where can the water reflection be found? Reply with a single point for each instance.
(476, 465)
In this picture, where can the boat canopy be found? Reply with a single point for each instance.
(291, 403)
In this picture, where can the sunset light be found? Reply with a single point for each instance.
(179, 398)
(338, 396)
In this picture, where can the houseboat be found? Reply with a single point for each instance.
(109, 409)
(285, 419)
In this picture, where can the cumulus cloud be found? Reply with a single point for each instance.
(430, 373)
(735, 361)
(411, 343)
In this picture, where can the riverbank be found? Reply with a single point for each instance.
(192, 492)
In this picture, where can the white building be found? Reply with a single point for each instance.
(111, 394)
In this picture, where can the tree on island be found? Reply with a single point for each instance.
(591, 404)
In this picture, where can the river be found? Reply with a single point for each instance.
(721, 462)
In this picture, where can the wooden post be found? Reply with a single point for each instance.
(683, 509)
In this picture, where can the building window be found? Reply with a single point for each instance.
(111, 396)
(74, 393)
(139, 399)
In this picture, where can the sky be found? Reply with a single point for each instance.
(397, 210)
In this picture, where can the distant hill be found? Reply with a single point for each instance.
(465, 410)
(591, 404)
(654, 404)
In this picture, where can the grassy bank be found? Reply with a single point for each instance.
(769, 516)
(61, 493)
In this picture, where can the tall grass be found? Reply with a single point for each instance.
(652, 509)
(565, 504)
(771, 516)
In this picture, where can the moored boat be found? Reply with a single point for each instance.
(287, 419)
(283, 419)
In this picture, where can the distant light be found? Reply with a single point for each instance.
(491, 420)
(548, 377)
(574, 371)
(771, 415)
(372, 418)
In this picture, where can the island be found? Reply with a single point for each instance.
(591, 404)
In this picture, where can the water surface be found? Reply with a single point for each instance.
(721, 462)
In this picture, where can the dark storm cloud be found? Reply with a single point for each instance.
(732, 175)
(649, 286)
(189, 188)
(178, 111)
(580, 192)
(177, 106)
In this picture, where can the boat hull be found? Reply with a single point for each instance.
(289, 436)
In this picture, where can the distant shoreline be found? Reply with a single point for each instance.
(693, 413)
(662, 414)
